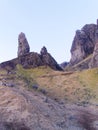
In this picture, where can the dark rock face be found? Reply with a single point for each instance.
(32, 60)
(94, 60)
(48, 60)
(9, 65)
(64, 64)
(83, 43)
(43, 51)
(23, 46)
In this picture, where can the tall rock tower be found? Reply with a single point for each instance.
(23, 46)
(83, 43)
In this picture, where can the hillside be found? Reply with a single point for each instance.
(36, 93)
(44, 99)
(81, 86)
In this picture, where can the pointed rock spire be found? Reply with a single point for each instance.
(43, 51)
(23, 46)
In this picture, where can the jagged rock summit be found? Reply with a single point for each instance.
(23, 46)
(33, 59)
(30, 59)
(83, 43)
(43, 51)
(84, 50)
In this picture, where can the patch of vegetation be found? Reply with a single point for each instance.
(89, 80)
(89, 77)
(25, 75)
(79, 87)
(40, 71)
(28, 76)
(83, 96)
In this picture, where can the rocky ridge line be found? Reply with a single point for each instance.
(30, 59)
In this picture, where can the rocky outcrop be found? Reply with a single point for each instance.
(64, 64)
(84, 50)
(43, 51)
(9, 65)
(94, 60)
(23, 46)
(48, 60)
(32, 60)
(83, 43)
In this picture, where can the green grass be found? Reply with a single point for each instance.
(78, 87)
(25, 75)
(90, 77)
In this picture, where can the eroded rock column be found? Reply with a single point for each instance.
(23, 46)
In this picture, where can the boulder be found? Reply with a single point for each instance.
(23, 46)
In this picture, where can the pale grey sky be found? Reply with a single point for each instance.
(50, 23)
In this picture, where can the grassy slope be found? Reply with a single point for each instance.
(78, 87)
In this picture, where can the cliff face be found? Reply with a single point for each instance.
(94, 60)
(84, 50)
(83, 43)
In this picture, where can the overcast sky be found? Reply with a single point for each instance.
(50, 23)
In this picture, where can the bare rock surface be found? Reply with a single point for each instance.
(48, 60)
(84, 47)
(23, 46)
(32, 60)
(94, 60)
(43, 51)
(83, 43)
